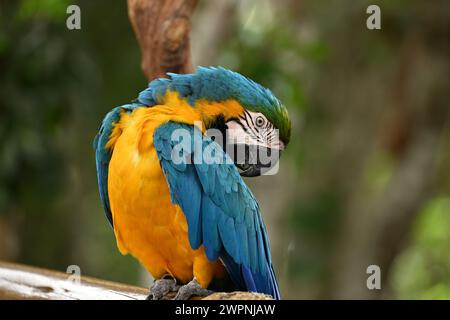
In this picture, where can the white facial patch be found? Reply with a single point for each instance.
(253, 128)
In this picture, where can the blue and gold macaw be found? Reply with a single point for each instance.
(196, 222)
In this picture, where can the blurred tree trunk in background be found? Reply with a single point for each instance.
(413, 133)
(213, 24)
(371, 136)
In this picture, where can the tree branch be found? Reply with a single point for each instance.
(24, 282)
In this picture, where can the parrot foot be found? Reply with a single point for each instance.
(161, 287)
(193, 288)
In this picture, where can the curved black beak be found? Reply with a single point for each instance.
(247, 170)
(254, 160)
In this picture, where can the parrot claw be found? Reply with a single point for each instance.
(161, 287)
(190, 289)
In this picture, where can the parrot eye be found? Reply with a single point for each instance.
(260, 121)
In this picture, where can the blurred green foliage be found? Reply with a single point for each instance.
(56, 85)
(54, 10)
(423, 269)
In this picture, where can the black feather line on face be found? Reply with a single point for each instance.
(245, 127)
(250, 116)
(249, 128)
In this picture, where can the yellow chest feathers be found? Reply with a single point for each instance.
(146, 223)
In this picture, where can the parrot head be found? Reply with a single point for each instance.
(253, 123)
(255, 135)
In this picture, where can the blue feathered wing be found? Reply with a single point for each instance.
(103, 155)
(221, 212)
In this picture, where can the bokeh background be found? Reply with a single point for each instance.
(366, 179)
